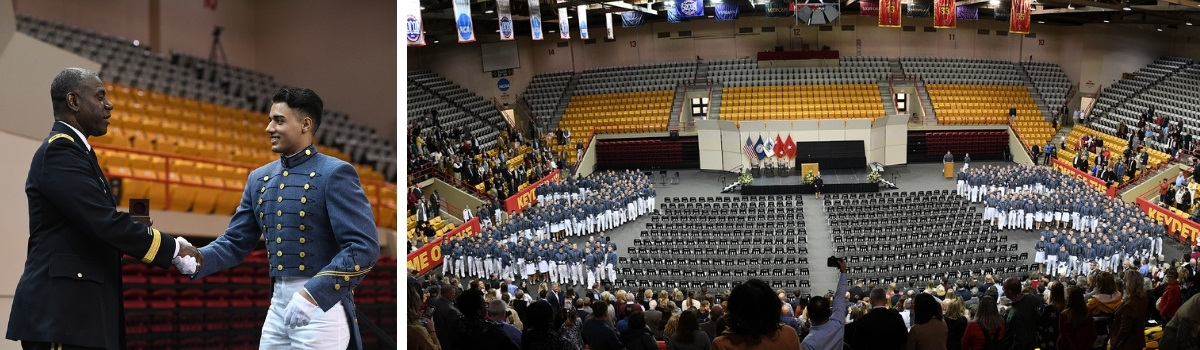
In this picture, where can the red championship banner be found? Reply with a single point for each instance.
(1188, 229)
(430, 256)
(526, 197)
(1018, 21)
(869, 8)
(1092, 181)
(889, 13)
(945, 14)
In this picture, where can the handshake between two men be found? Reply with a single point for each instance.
(189, 258)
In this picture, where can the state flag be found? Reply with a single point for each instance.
(758, 149)
(790, 148)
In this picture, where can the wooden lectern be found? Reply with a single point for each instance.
(948, 170)
(806, 168)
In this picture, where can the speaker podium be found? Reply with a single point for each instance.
(948, 170)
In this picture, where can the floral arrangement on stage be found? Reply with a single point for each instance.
(809, 178)
(745, 179)
(874, 177)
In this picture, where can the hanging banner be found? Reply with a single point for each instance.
(535, 19)
(889, 13)
(968, 12)
(608, 24)
(462, 15)
(690, 8)
(777, 9)
(1001, 14)
(430, 255)
(582, 13)
(504, 15)
(1019, 19)
(564, 25)
(1178, 226)
(673, 15)
(944, 14)
(631, 19)
(726, 12)
(868, 8)
(414, 30)
(918, 11)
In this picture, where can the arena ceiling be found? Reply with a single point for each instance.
(438, 14)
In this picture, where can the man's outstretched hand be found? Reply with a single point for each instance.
(189, 259)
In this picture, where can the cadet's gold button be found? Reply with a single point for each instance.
(279, 199)
(308, 152)
(301, 240)
(301, 254)
(301, 267)
(312, 174)
(280, 267)
(301, 213)
(261, 190)
(280, 253)
(80, 275)
(337, 287)
(347, 278)
(260, 200)
(260, 215)
(278, 226)
(306, 187)
(301, 227)
(278, 213)
(278, 239)
(356, 267)
(265, 178)
(281, 186)
(285, 173)
(303, 199)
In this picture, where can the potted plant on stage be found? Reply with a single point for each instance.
(874, 177)
(809, 177)
(745, 179)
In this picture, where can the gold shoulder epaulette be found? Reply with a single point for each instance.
(60, 136)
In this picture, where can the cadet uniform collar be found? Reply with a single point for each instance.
(295, 160)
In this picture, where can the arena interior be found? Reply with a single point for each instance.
(949, 158)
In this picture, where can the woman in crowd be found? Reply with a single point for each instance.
(638, 336)
(420, 336)
(1129, 320)
(956, 323)
(703, 313)
(570, 327)
(539, 330)
(1103, 303)
(688, 335)
(1076, 329)
(928, 330)
(753, 314)
(1048, 324)
(987, 327)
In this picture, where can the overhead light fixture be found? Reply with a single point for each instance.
(994, 2)
(1070, 7)
(489, 11)
(552, 30)
(1106, 21)
(1041, 22)
(422, 8)
(1160, 28)
(1127, 8)
(436, 41)
(1188, 23)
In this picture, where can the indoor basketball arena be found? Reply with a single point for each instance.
(169, 108)
(819, 175)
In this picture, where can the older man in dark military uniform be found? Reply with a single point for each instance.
(321, 238)
(69, 295)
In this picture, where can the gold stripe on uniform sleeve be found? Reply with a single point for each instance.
(60, 136)
(343, 274)
(153, 245)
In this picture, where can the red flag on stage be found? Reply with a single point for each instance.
(779, 147)
(790, 147)
(889, 13)
(945, 14)
(1018, 20)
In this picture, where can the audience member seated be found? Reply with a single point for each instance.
(753, 320)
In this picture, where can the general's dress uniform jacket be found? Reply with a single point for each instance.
(317, 223)
(70, 291)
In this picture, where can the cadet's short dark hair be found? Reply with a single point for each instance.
(303, 100)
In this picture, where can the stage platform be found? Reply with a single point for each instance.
(836, 181)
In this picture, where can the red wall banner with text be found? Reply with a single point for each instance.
(430, 256)
(1187, 229)
(526, 197)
